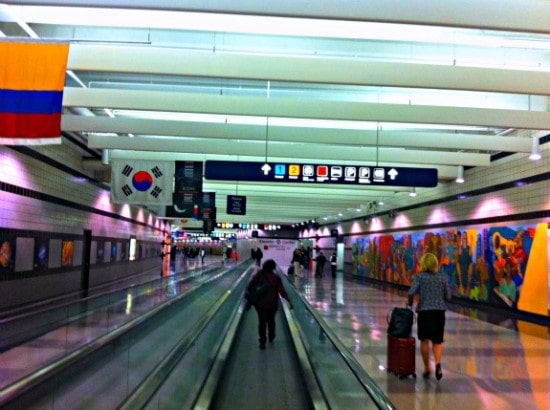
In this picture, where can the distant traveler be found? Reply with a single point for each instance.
(257, 254)
(320, 268)
(267, 306)
(202, 254)
(333, 265)
(433, 288)
(298, 262)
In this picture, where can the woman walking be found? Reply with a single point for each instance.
(433, 289)
(267, 305)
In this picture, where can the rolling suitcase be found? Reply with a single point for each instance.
(402, 356)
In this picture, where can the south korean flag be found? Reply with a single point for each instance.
(142, 182)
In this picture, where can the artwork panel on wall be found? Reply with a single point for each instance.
(93, 253)
(41, 254)
(7, 255)
(55, 254)
(78, 251)
(107, 251)
(487, 264)
(24, 257)
(67, 253)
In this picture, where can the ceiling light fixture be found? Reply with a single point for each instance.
(535, 150)
(460, 175)
(105, 157)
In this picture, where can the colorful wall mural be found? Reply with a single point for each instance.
(486, 264)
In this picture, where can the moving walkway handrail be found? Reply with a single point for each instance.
(34, 379)
(13, 321)
(143, 393)
(316, 395)
(206, 395)
(20, 311)
(377, 395)
(41, 309)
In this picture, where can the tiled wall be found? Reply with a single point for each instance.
(508, 202)
(43, 197)
(21, 212)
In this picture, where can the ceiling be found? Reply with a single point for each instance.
(439, 85)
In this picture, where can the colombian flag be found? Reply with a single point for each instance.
(32, 77)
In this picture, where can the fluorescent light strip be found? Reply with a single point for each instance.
(284, 26)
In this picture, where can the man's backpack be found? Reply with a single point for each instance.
(258, 291)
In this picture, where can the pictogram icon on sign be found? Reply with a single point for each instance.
(308, 170)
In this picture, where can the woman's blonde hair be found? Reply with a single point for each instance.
(429, 263)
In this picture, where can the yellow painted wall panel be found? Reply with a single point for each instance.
(534, 291)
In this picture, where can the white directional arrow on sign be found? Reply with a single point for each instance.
(266, 168)
(393, 173)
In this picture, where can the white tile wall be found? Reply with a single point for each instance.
(27, 213)
(21, 212)
(533, 197)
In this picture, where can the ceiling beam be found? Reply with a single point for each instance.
(348, 137)
(511, 15)
(313, 152)
(302, 108)
(148, 60)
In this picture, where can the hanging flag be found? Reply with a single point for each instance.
(187, 190)
(32, 78)
(142, 182)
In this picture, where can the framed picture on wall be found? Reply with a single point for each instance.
(41, 254)
(133, 248)
(67, 253)
(77, 253)
(107, 251)
(93, 253)
(100, 250)
(114, 252)
(24, 258)
(54, 260)
(7, 254)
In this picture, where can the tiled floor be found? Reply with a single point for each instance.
(485, 366)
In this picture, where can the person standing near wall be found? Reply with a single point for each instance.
(433, 289)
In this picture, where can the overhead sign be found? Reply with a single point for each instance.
(320, 173)
(236, 205)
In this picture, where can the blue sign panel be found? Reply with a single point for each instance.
(320, 173)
